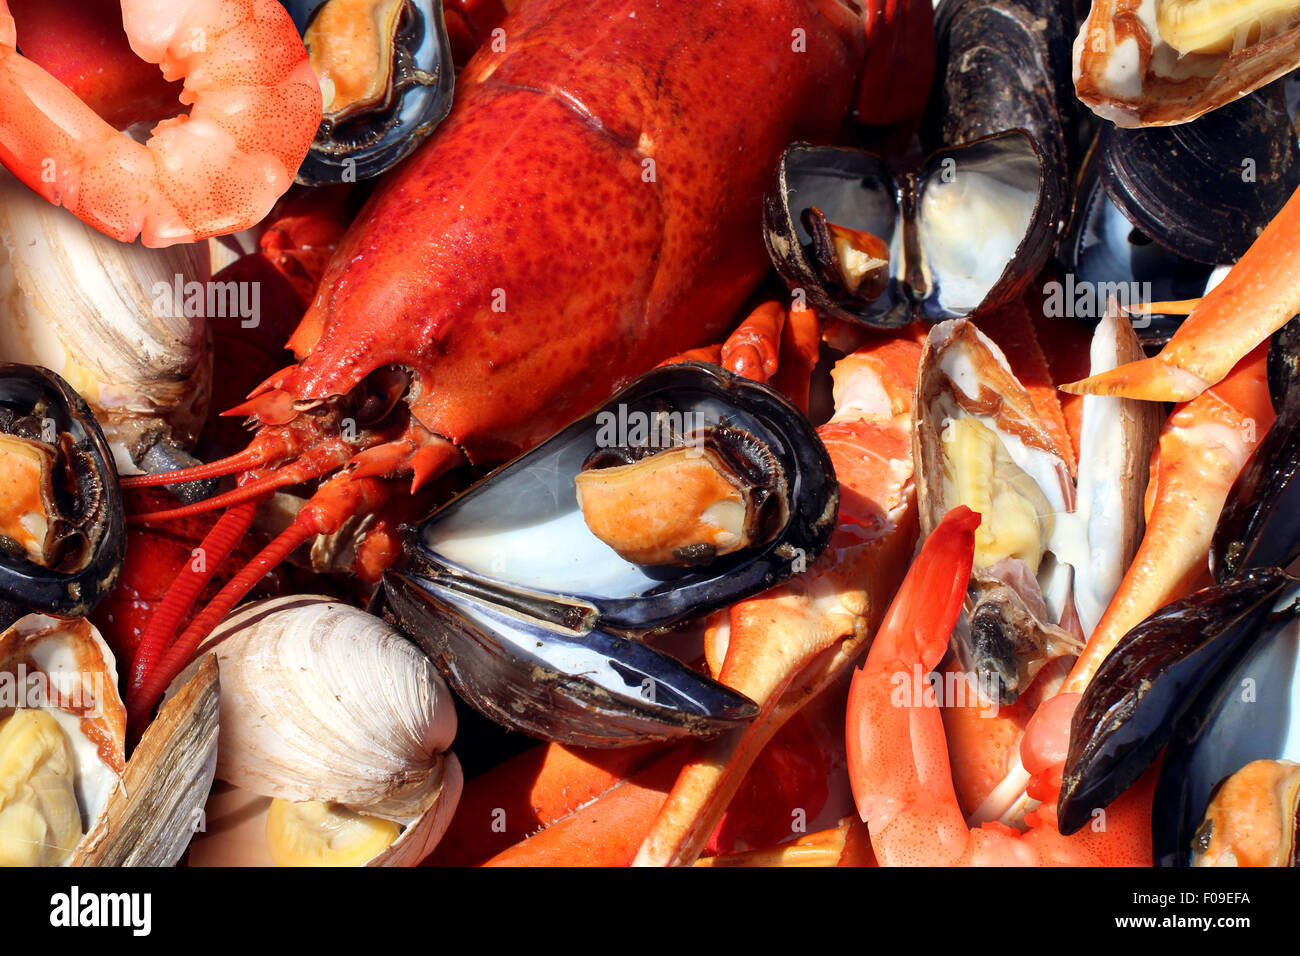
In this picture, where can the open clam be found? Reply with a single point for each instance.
(1169, 61)
(68, 796)
(61, 521)
(335, 737)
(387, 78)
(534, 618)
(979, 442)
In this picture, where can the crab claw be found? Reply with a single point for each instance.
(1255, 299)
(538, 666)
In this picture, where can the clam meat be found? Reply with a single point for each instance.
(1161, 62)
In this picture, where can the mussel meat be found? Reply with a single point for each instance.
(62, 529)
(1253, 818)
(713, 493)
(387, 79)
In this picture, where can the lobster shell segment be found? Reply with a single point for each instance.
(584, 212)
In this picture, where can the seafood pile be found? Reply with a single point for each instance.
(450, 433)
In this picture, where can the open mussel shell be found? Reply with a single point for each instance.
(853, 189)
(1150, 683)
(1104, 256)
(1006, 65)
(1206, 189)
(387, 78)
(965, 232)
(1251, 711)
(37, 406)
(985, 224)
(530, 615)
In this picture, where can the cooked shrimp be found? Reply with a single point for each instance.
(255, 107)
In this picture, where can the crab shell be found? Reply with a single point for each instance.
(1127, 73)
(324, 702)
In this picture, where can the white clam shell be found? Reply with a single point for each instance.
(94, 310)
(322, 701)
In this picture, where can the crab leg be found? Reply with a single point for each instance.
(1255, 299)
(898, 754)
(1203, 446)
(782, 648)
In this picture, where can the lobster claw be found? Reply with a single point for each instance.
(550, 676)
(532, 606)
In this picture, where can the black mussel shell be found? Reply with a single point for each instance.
(419, 96)
(1004, 65)
(1260, 523)
(1284, 362)
(1205, 189)
(851, 188)
(985, 224)
(1251, 711)
(509, 573)
(584, 688)
(1148, 686)
(1105, 256)
(967, 231)
(36, 400)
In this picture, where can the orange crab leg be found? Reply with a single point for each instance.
(783, 648)
(502, 807)
(898, 753)
(844, 845)
(1203, 447)
(605, 832)
(1255, 299)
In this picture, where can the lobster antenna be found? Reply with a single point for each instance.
(180, 597)
(325, 458)
(327, 509)
(248, 458)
